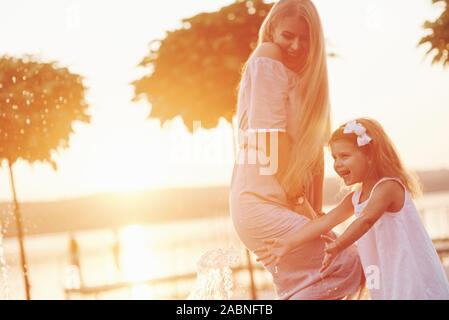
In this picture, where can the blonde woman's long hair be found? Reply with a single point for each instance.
(312, 117)
(382, 153)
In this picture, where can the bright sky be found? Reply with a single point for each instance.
(380, 74)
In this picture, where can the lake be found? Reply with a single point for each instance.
(136, 253)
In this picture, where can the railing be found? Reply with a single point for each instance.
(249, 268)
(442, 247)
(96, 291)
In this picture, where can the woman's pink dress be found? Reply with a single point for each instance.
(258, 203)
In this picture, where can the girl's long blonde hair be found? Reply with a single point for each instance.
(312, 117)
(382, 153)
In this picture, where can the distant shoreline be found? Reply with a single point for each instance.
(109, 211)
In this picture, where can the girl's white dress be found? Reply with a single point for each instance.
(398, 256)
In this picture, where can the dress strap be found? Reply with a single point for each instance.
(355, 197)
(382, 180)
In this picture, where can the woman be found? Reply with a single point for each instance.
(283, 97)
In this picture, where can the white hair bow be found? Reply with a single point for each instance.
(354, 127)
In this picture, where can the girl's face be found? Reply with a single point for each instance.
(292, 35)
(350, 163)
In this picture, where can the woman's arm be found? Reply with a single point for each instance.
(318, 183)
(268, 101)
(280, 152)
(284, 151)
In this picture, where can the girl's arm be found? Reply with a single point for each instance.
(276, 248)
(324, 224)
(381, 199)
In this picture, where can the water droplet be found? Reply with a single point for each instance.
(7, 100)
(22, 131)
(28, 102)
(24, 78)
(28, 121)
(15, 107)
(252, 11)
(13, 79)
(1, 85)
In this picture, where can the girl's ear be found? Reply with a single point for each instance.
(370, 159)
(372, 170)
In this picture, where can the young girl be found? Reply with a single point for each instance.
(398, 257)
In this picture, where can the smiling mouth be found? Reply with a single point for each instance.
(294, 55)
(344, 173)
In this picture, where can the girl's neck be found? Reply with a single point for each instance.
(368, 185)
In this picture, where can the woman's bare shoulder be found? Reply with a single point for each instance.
(269, 50)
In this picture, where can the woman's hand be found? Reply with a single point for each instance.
(330, 252)
(274, 250)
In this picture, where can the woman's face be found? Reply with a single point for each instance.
(292, 35)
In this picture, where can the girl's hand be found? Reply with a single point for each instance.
(274, 250)
(331, 251)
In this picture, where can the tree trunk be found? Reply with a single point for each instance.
(20, 234)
